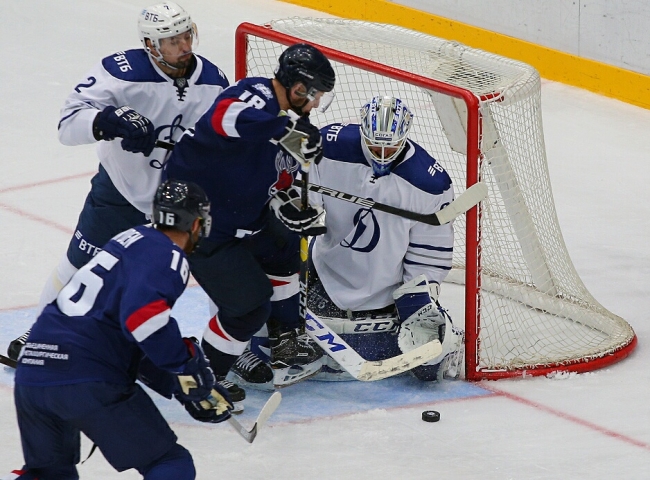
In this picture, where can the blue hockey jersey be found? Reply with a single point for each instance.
(230, 154)
(114, 310)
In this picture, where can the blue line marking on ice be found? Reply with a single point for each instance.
(305, 401)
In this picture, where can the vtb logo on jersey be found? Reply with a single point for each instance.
(365, 236)
(285, 165)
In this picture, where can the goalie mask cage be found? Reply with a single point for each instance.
(526, 310)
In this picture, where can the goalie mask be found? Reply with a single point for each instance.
(166, 20)
(303, 63)
(178, 203)
(385, 123)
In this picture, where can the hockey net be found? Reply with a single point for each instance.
(527, 312)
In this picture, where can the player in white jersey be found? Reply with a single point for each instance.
(373, 273)
(124, 104)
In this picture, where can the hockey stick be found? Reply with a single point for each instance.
(359, 367)
(165, 145)
(267, 410)
(249, 435)
(8, 361)
(466, 200)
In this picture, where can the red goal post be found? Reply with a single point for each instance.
(526, 310)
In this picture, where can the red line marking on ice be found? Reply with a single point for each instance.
(565, 416)
(19, 307)
(493, 392)
(36, 218)
(46, 182)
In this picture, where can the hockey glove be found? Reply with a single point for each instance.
(417, 302)
(197, 379)
(286, 205)
(302, 141)
(214, 409)
(137, 132)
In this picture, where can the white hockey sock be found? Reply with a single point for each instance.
(56, 281)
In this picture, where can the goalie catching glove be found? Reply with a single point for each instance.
(137, 132)
(286, 204)
(203, 398)
(302, 141)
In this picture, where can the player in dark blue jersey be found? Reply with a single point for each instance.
(245, 152)
(108, 326)
(123, 104)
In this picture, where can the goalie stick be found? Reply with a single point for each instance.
(466, 200)
(267, 410)
(355, 364)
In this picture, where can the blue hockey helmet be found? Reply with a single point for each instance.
(178, 203)
(305, 64)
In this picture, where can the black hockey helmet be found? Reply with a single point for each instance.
(306, 64)
(178, 203)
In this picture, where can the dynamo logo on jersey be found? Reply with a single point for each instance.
(365, 236)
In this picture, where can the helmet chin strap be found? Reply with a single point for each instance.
(191, 244)
(160, 59)
(295, 108)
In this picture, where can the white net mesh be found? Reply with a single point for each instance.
(535, 312)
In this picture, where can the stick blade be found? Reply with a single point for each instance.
(355, 364)
(248, 435)
(378, 370)
(466, 200)
(267, 410)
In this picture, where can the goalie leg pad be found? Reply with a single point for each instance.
(418, 331)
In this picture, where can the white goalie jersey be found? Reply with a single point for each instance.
(366, 254)
(173, 105)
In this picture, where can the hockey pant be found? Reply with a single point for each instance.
(121, 420)
(249, 281)
(105, 214)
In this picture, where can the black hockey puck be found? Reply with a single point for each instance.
(430, 416)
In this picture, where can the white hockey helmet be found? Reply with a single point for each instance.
(164, 20)
(385, 123)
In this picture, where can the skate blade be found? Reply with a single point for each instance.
(283, 377)
(236, 379)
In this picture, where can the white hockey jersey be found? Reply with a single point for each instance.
(366, 254)
(173, 105)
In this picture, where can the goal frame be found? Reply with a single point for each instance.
(472, 296)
